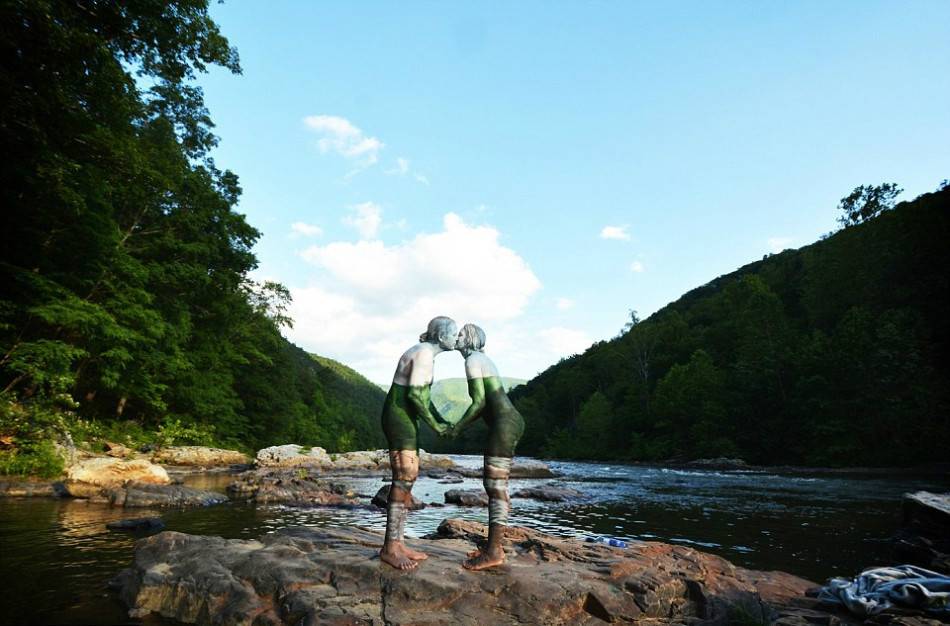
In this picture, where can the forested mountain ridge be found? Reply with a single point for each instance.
(832, 354)
(126, 304)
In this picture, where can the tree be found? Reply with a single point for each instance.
(867, 201)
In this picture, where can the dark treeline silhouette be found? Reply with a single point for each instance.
(124, 288)
(833, 354)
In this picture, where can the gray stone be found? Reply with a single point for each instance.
(382, 498)
(137, 524)
(548, 493)
(466, 497)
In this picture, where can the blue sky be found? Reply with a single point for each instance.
(404, 160)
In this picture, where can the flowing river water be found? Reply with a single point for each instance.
(56, 555)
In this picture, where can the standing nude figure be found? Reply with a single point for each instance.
(409, 400)
(505, 424)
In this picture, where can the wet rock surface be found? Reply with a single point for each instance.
(466, 497)
(382, 498)
(334, 576)
(521, 468)
(288, 486)
(548, 493)
(924, 536)
(148, 495)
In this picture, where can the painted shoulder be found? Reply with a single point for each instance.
(478, 365)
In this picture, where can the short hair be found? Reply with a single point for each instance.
(473, 337)
(437, 327)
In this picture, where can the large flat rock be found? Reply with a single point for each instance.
(308, 576)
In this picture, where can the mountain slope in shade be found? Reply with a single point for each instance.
(832, 354)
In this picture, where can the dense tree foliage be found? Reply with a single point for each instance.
(834, 354)
(124, 268)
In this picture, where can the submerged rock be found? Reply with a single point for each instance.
(199, 456)
(466, 497)
(283, 486)
(548, 493)
(382, 498)
(137, 524)
(334, 576)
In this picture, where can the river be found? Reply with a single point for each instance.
(56, 556)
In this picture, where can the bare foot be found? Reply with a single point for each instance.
(397, 558)
(415, 555)
(484, 561)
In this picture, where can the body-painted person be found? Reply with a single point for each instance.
(505, 426)
(408, 401)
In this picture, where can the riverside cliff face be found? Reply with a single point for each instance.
(333, 576)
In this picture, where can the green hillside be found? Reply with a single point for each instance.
(831, 354)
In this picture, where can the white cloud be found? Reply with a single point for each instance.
(366, 218)
(403, 168)
(777, 244)
(563, 304)
(637, 267)
(302, 229)
(564, 341)
(373, 300)
(615, 232)
(340, 135)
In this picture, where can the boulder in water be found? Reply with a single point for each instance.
(924, 536)
(548, 493)
(381, 499)
(291, 455)
(90, 477)
(285, 486)
(466, 497)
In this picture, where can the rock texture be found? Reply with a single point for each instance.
(362, 461)
(283, 486)
(521, 468)
(548, 493)
(199, 456)
(309, 576)
(94, 477)
(466, 497)
(382, 498)
(291, 455)
(31, 489)
(924, 536)
(136, 494)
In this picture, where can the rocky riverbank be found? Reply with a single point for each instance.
(334, 576)
(304, 575)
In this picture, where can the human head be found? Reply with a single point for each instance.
(471, 339)
(442, 331)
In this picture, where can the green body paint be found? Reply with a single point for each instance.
(505, 423)
(401, 417)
